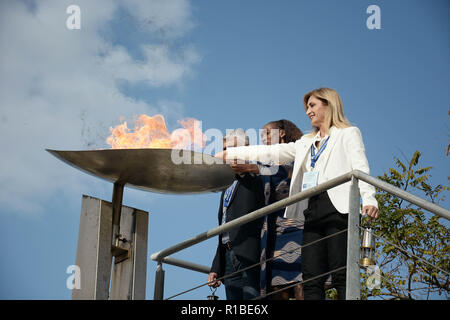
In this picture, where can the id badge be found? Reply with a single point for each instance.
(310, 180)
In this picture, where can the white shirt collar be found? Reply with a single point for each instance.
(318, 138)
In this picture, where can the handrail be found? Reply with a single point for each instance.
(442, 212)
(186, 264)
(352, 257)
(252, 216)
(425, 204)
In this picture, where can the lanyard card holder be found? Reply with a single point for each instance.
(310, 180)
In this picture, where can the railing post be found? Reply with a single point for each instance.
(159, 282)
(353, 286)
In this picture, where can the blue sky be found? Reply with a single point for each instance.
(229, 64)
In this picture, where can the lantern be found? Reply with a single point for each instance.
(368, 248)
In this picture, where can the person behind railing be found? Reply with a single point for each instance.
(278, 234)
(333, 148)
(240, 247)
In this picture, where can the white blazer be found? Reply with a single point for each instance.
(344, 152)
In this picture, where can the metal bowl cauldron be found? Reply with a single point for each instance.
(153, 169)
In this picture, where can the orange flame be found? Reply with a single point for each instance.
(151, 132)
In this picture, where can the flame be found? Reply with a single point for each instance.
(151, 132)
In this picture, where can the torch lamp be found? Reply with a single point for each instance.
(368, 248)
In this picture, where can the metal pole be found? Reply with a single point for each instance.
(187, 265)
(116, 211)
(159, 283)
(353, 287)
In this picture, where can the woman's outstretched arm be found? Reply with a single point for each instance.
(283, 153)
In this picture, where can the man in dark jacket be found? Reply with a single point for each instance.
(240, 247)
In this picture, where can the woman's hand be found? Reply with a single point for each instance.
(244, 168)
(212, 280)
(370, 211)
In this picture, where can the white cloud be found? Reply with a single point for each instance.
(58, 91)
(158, 69)
(172, 18)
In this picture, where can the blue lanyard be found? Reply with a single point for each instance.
(314, 156)
(226, 200)
(228, 193)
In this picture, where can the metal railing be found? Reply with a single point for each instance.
(353, 240)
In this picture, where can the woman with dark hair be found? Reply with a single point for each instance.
(279, 236)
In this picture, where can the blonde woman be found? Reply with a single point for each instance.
(333, 148)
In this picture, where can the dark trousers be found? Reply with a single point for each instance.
(322, 219)
(244, 285)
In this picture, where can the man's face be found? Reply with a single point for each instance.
(230, 143)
